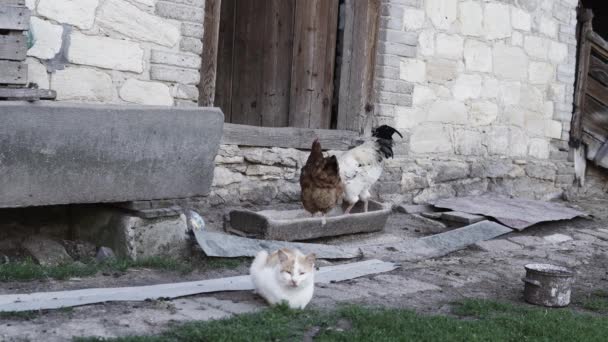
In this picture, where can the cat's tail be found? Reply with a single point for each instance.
(259, 262)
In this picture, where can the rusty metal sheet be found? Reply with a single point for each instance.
(516, 213)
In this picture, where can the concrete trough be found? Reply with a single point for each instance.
(59, 153)
(298, 225)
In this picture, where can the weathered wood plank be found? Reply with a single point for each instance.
(597, 90)
(315, 31)
(576, 130)
(276, 67)
(248, 59)
(598, 69)
(357, 70)
(223, 85)
(13, 46)
(595, 118)
(209, 55)
(27, 94)
(288, 137)
(14, 17)
(12, 72)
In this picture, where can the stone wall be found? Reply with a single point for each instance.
(478, 78)
(117, 51)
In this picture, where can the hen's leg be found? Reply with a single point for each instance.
(323, 219)
(365, 205)
(350, 207)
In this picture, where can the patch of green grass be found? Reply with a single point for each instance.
(27, 270)
(229, 263)
(479, 321)
(597, 302)
(29, 315)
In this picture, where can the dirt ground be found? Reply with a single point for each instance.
(490, 270)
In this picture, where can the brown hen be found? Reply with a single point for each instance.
(320, 182)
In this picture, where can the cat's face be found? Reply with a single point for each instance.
(295, 269)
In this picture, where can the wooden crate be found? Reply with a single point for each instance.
(14, 24)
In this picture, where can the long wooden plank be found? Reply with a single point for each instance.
(209, 56)
(597, 90)
(13, 46)
(12, 72)
(223, 85)
(357, 72)
(598, 69)
(27, 94)
(276, 65)
(288, 137)
(315, 31)
(62, 299)
(584, 53)
(248, 60)
(595, 118)
(14, 17)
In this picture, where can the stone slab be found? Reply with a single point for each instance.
(557, 238)
(230, 246)
(456, 216)
(298, 225)
(499, 245)
(59, 153)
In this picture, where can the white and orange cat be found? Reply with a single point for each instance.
(285, 275)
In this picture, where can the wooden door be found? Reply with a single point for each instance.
(276, 62)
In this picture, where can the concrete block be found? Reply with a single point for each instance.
(55, 153)
(192, 30)
(175, 59)
(178, 75)
(180, 12)
(194, 45)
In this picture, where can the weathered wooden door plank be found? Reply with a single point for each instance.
(248, 59)
(209, 56)
(315, 32)
(225, 62)
(276, 68)
(14, 17)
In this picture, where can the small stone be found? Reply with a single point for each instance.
(432, 215)
(497, 21)
(79, 13)
(105, 254)
(449, 46)
(222, 177)
(471, 18)
(108, 53)
(483, 113)
(426, 225)
(146, 93)
(413, 19)
(175, 59)
(467, 87)
(448, 112)
(528, 241)
(82, 84)
(172, 74)
(541, 73)
(431, 138)
(510, 62)
(477, 56)
(130, 21)
(45, 251)
(413, 70)
(557, 238)
(441, 70)
(442, 12)
(46, 37)
(520, 19)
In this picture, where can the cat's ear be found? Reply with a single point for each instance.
(283, 255)
(310, 258)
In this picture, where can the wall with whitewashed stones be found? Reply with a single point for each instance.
(478, 77)
(117, 51)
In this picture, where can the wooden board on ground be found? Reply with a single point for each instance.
(517, 213)
(63, 299)
(298, 225)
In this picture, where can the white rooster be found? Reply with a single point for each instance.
(361, 167)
